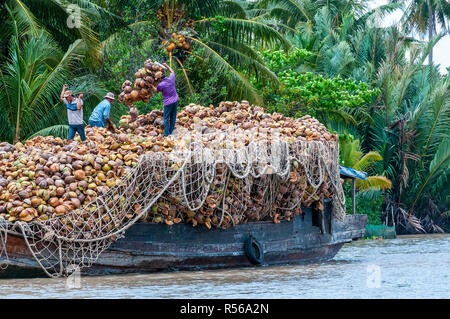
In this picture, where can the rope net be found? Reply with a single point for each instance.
(210, 179)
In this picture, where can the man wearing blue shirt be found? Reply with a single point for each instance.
(100, 115)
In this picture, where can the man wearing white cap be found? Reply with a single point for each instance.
(100, 115)
(74, 113)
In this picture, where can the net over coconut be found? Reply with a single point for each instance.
(223, 166)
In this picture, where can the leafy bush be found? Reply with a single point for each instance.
(311, 93)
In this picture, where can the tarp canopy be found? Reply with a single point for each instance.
(352, 173)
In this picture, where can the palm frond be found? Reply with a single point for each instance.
(249, 32)
(242, 88)
(337, 60)
(232, 9)
(54, 16)
(245, 62)
(55, 131)
(297, 8)
(24, 17)
(349, 152)
(374, 183)
(191, 89)
(367, 160)
(440, 108)
(369, 195)
(378, 14)
(206, 8)
(440, 161)
(336, 114)
(69, 60)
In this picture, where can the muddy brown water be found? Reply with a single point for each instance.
(406, 267)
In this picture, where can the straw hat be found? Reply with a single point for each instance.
(68, 93)
(110, 95)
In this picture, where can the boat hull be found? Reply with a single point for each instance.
(159, 247)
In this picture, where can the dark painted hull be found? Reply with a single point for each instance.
(158, 247)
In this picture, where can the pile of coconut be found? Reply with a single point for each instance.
(48, 177)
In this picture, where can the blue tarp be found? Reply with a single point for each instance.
(352, 173)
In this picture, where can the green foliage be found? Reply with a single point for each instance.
(312, 93)
(317, 92)
(370, 207)
(30, 83)
(279, 60)
(349, 150)
(209, 88)
(218, 23)
(125, 53)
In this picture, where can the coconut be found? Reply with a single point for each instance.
(133, 113)
(79, 174)
(54, 201)
(125, 84)
(60, 210)
(134, 95)
(144, 93)
(128, 89)
(127, 97)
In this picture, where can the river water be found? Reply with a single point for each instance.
(406, 267)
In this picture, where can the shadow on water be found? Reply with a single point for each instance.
(406, 267)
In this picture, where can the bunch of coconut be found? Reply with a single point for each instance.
(177, 41)
(147, 77)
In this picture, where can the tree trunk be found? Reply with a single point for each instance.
(430, 30)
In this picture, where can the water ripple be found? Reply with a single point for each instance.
(408, 267)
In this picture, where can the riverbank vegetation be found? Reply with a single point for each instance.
(375, 86)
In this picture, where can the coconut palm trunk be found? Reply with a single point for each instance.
(430, 30)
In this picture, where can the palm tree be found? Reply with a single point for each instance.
(411, 131)
(31, 78)
(219, 36)
(430, 122)
(60, 19)
(424, 16)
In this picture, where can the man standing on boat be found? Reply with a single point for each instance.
(170, 99)
(74, 113)
(100, 115)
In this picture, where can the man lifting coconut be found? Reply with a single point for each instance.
(170, 99)
(74, 113)
(100, 114)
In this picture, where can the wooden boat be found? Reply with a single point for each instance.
(311, 237)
